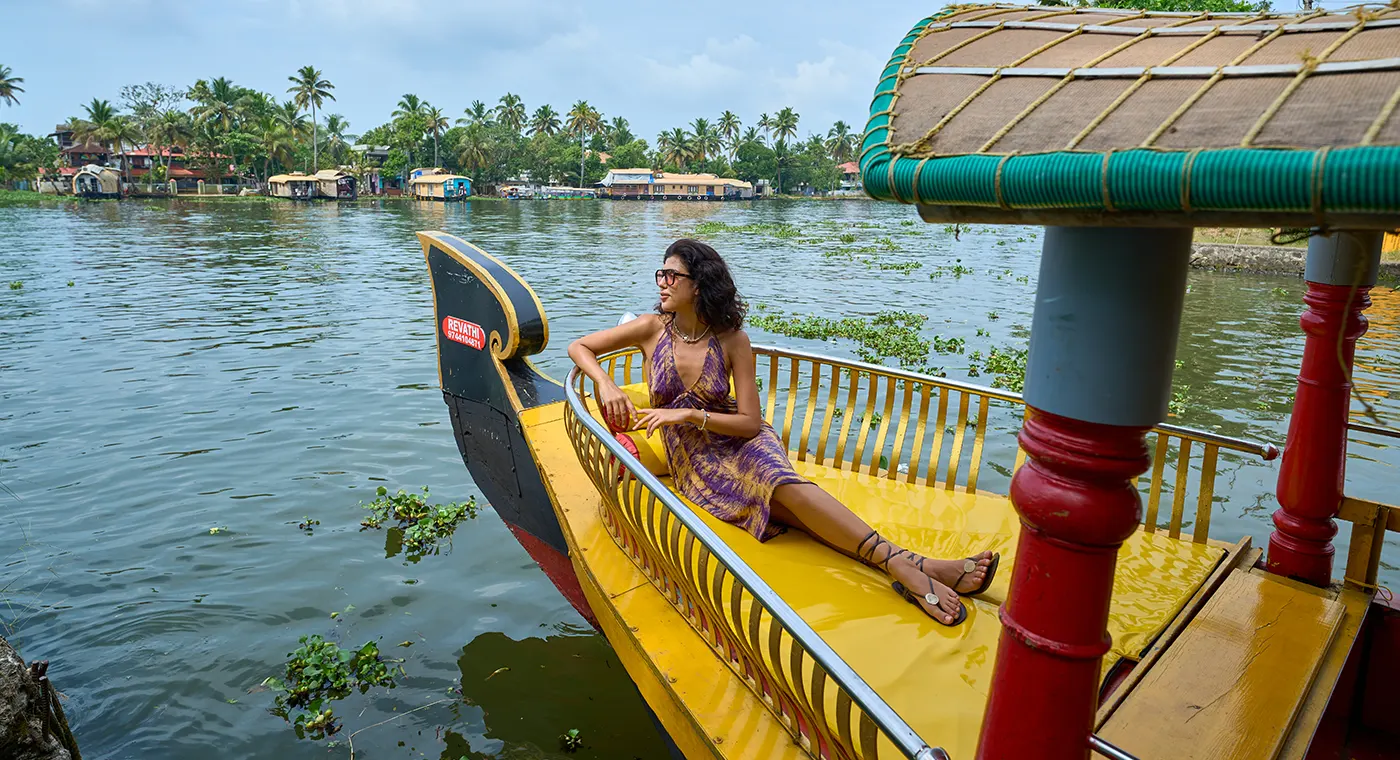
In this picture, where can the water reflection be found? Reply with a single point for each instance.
(528, 693)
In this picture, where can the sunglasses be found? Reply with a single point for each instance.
(668, 277)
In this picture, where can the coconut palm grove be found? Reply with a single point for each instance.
(216, 122)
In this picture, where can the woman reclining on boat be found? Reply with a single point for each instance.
(723, 455)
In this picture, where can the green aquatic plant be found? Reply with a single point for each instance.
(778, 229)
(16, 285)
(70, 283)
(949, 345)
(847, 238)
(423, 525)
(320, 672)
(903, 266)
(982, 332)
(1008, 365)
(571, 740)
(956, 269)
(1180, 400)
(993, 316)
(892, 334)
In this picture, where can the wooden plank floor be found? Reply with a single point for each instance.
(1231, 686)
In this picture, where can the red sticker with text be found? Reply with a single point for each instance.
(464, 332)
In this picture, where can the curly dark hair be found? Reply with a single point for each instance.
(717, 301)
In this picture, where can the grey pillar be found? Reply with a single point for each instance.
(1350, 258)
(1107, 312)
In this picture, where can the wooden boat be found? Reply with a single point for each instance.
(1119, 625)
(439, 185)
(334, 183)
(93, 181)
(296, 185)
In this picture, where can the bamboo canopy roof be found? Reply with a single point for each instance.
(1059, 115)
(294, 177)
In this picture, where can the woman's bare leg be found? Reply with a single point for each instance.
(813, 511)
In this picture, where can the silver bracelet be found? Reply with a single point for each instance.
(704, 421)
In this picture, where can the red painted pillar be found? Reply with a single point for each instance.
(1341, 270)
(1098, 377)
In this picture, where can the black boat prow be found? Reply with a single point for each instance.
(488, 321)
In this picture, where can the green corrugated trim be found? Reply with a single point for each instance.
(1340, 180)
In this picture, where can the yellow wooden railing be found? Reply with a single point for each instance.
(1370, 520)
(948, 434)
(819, 699)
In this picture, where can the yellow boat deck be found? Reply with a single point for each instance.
(935, 677)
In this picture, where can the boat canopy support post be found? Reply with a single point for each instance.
(1340, 271)
(1103, 343)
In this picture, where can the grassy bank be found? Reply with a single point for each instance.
(29, 198)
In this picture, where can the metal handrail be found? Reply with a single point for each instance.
(1265, 451)
(884, 716)
(1108, 750)
(1384, 432)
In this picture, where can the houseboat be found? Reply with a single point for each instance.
(93, 181)
(438, 185)
(296, 185)
(334, 183)
(645, 184)
(1124, 622)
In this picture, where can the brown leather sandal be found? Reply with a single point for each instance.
(932, 599)
(969, 566)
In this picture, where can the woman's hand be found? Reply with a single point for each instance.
(659, 418)
(617, 407)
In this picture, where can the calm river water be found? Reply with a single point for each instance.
(182, 383)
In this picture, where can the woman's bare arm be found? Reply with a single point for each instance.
(617, 408)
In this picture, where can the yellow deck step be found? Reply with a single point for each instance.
(936, 678)
(1231, 686)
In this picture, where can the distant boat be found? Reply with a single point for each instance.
(93, 181)
(334, 183)
(438, 185)
(297, 186)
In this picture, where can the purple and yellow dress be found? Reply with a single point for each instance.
(732, 478)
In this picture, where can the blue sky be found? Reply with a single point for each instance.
(658, 64)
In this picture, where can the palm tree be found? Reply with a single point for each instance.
(729, 127)
(765, 123)
(474, 150)
(785, 124)
(511, 111)
(337, 139)
(275, 141)
(544, 121)
(840, 143)
(476, 113)
(583, 120)
(750, 135)
(675, 147)
(437, 123)
(291, 118)
(409, 117)
(121, 132)
(619, 132)
(311, 90)
(168, 129)
(704, 139)
(220, 102)
(9, 85)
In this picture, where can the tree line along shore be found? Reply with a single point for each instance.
(216, 125)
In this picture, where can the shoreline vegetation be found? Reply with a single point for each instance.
(225, 133)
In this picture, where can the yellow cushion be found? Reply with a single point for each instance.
(639, 393)
(651, 452)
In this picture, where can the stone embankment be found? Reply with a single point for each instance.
(1269, 259)
(32, 724)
